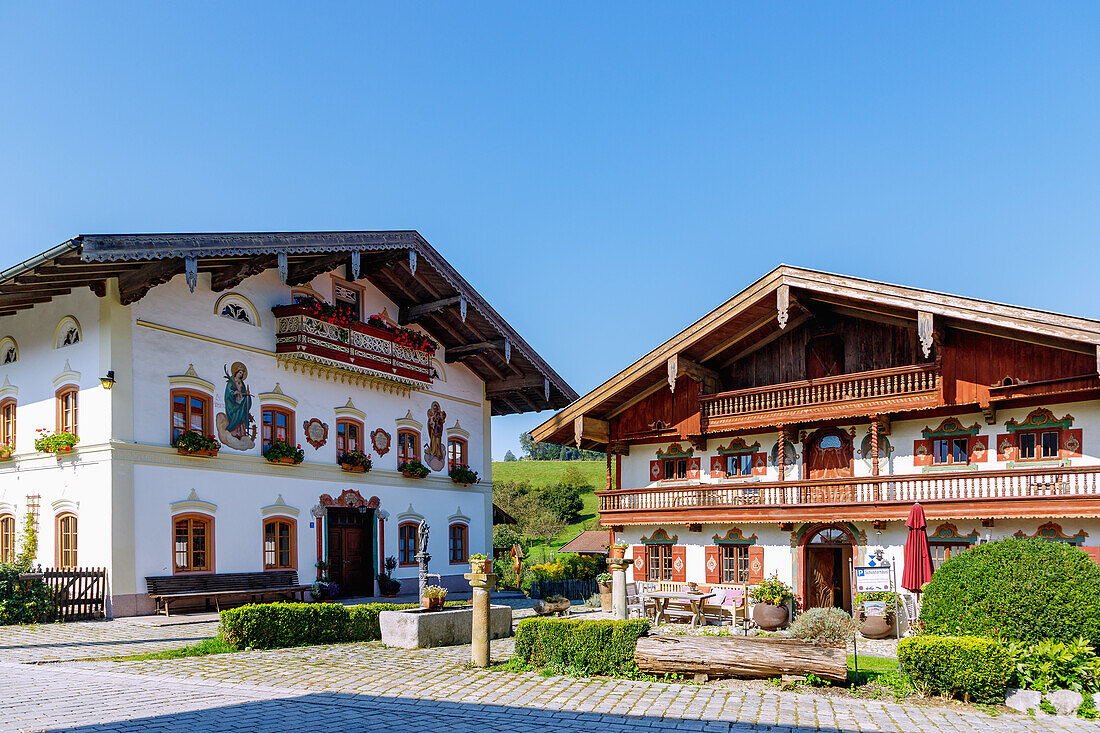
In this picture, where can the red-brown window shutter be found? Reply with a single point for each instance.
(1006, 447)
(717, 467)
(694, 468)
(759, 464)
(714, 564)
(655, 472)
(639, 562)
(922, 452)
(979, 448)
(679, 563)
(1071, 443)
(1094, 553)
(756, 565)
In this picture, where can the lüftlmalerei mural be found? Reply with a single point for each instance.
(236, 428)
(434, 455)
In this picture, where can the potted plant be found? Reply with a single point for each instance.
(194, 443)
(434, 596)
(283, 452)
(460, 473)
(59, 442)
(881, 621)
(603, 582)
(389, 586)
(480, 564)
(324, 589)
(413, 469)
(771, 597)
(354, 461)
(617, 551)
(5, 451)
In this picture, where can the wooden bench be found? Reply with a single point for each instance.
(712, 610)
(229, 587)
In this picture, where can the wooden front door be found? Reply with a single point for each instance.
(829, 454)
(824, 357)
(824, 577)
(350, 555)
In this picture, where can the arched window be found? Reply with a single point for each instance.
(190, 411)
(280, 548)
(193, 543)
(349, 436)
(407, 539)
(7, 423)
(9, 350)
(456, 452)
(831, 536)
(66, 534)
(7, 538)
(237, 308)
(67, 334)
(458, 542)
(278, 424)
(408, 446)
(67, 409)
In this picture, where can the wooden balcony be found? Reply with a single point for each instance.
(970, 495)
(358, 348)
(895, 389)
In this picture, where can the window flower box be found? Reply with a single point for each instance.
(354, 461)
(193, 443)
(59, 442)
(283, 452)
(413, 469)
(5, 452)
(461, 474)
(481, 564)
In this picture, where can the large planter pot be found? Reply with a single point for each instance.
(481, 566)
(206, 453)
(287, 460)
(5, 456)
(769, 617)
(605, 596)
(617, 553)
(877, 627)
(353, 469)
(432, 604)
(411, 475)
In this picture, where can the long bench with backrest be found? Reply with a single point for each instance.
(227, 587)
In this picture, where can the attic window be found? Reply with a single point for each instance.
(9, 351)
(237, 308)
(68, 333)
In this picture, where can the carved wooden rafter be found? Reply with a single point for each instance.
(413, 313)
(459, 353)
(300, 273)
(782, 304)
(679, 366)
(133, 285)
(591, 428)
(924, 332)
(231, 277)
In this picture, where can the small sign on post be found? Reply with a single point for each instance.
(871, 579)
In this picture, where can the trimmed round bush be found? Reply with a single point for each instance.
(825, 626)
(1020, 590)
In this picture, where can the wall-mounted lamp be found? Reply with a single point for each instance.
(879, 525)
(108, 381)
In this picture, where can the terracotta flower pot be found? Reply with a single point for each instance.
(287, 460)
(432, 604)
(616, 553)
(353, 469)
(769, 617)
(481, 566)
(207, 453)
(605, 596)
(877, 627)
(411, 475)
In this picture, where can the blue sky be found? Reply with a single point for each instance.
(603, 173)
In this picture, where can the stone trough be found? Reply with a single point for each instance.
(416, 628)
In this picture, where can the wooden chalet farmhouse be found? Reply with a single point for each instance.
(791, 430)
(337, 342)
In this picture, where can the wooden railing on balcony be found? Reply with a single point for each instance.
(357, 348)
(970, 485)
(904, 387)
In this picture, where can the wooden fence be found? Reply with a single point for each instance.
(80, 594)
(574, 590)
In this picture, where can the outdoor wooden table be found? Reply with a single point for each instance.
(661, 600)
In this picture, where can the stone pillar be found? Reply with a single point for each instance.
(618, 585)
(422, 559)
(481, 583)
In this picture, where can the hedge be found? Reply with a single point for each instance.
(1020, 590)
(591, 647)
(23, 601)
(974, 667)
(277, 625)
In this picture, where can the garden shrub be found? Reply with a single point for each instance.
(1020, 590)
(1055, 665)
(23, 601)
(601, 647)
(568, 566)
(278, 625)
(974, 667)
(826, 626)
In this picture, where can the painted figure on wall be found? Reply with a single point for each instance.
(236, 428)
(434, 454)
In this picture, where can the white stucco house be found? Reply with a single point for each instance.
(334, 342)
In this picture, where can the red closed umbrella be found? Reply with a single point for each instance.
(918, 560)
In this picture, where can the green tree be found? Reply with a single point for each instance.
(506, 535)
(509, 456)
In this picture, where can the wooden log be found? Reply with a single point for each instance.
(545, 608)
(739, 656)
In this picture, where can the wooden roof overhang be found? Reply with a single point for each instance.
(786, 298)
(401, 264)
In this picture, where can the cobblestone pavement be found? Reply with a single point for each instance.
(367, 687)
(95, 639)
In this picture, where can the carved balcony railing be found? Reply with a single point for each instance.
(897, 388)
(984, 488)
(357, 348)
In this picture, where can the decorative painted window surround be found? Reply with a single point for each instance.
(1052, 532)
(948, 534)
(660, 537)
(675, 463)
(734, 537)
(1040, 434)
(943, 448)
(738, 457)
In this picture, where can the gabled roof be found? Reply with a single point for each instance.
(757, 315)
(401, 264)
(592, 541)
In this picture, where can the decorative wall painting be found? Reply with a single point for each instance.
(434, 455)
(316, 432)
(236, 427)
(380, 441)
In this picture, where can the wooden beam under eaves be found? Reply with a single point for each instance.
(458, 353)
(413, 313)
(235, 274)
(507, 386)
(133, 285)
(591, 428)
(300, 274)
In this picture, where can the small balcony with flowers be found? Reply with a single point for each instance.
(316, 336)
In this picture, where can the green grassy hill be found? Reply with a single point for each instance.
(542, 473)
